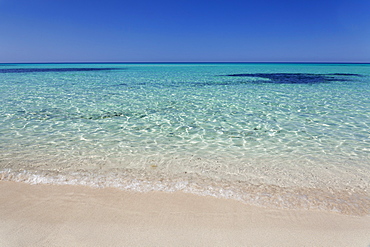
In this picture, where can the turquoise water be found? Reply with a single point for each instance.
(282, 135)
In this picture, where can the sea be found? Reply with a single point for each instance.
(281, 135)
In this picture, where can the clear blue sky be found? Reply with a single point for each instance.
(184, 30)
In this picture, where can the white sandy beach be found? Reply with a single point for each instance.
(51, 215)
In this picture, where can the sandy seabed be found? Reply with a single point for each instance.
(63, 215)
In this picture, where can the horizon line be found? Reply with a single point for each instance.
(189, 62)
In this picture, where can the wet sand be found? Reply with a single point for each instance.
(62, 215)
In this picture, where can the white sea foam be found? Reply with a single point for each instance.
(346, 202)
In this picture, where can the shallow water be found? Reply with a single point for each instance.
(284, 135)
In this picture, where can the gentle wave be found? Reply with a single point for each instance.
(353, 202)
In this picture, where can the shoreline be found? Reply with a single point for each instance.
(73, 215)
(349, 201)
